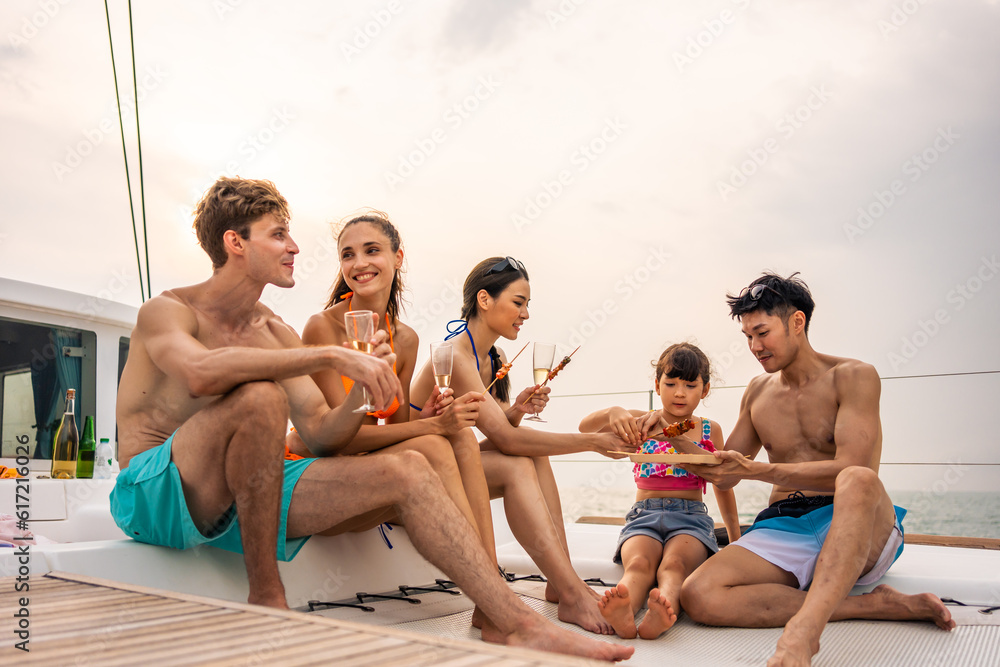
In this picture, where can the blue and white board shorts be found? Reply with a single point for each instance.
(148, 504)
(793, 543)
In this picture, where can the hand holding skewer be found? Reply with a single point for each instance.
(681, 445)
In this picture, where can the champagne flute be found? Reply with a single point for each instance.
(544, 354)
(360, 325)
(442, 355)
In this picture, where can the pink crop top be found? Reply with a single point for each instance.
(663, 477)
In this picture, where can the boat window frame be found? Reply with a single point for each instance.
(86, 395)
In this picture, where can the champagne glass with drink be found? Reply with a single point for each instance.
(442, 355)
(360, 325)
(544, 354)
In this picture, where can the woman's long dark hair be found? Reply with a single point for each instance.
(480, 278)
(381, 221)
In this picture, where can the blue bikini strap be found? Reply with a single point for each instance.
(706, 429)
(462, 327)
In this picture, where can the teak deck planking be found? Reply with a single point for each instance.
(80, 620)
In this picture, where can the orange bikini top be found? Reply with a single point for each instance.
(348, 382)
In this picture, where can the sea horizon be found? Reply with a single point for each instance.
(929, 512)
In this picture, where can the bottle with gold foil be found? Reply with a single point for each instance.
(66, 441)
(85, 457)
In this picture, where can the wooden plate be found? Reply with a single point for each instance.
(704, 459)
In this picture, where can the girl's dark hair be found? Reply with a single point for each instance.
(493, 275)
(685, 362)
(381, 221)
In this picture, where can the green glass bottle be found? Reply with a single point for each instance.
(85, 456)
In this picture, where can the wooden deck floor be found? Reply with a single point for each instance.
(79, 620)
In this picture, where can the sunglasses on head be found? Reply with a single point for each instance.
(506, 264)
(758, 289)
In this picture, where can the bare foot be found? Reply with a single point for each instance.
(581, 609)
(660, 617)
(552, 595)
(486, 626)
(922, 607)
(616, 608)
(537, 633)
(796, 647)
(478, 618)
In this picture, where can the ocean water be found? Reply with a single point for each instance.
(956, 513)
(947, 490)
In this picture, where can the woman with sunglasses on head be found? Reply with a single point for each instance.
(371, 258)
(495, 305)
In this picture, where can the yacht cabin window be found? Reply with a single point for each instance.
(38, 363)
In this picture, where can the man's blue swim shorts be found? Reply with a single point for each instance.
(148, 504)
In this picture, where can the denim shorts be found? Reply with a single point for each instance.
(665, 518)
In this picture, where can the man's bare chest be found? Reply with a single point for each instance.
(796, 425)
(214, 336)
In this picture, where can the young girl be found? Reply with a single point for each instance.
(371, 259)
(494, 306)
(668, 533)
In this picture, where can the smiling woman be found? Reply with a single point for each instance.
(370, 279)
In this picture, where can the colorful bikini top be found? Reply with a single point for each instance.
(664, 477)
(348, 382)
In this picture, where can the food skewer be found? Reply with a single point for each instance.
(554, 372)
(678, 428)
(504, 369)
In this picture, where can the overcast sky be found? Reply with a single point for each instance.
(641, 158)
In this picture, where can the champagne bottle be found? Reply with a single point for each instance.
(85, 457)
(67, 440)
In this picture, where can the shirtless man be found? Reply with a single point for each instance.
(818, 418)
(211, 380)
